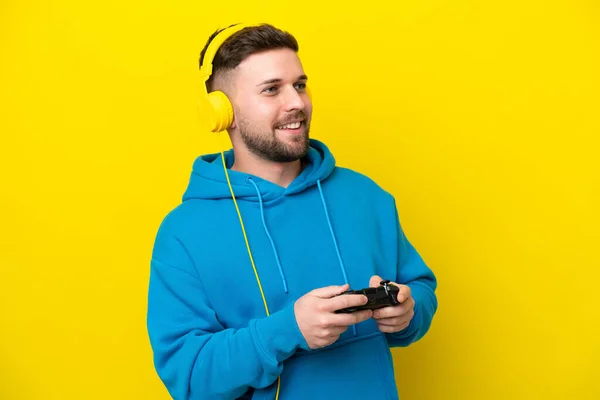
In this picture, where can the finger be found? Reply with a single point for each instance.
(391, 311)
(351, 318)
(404, 293)
(344, 301)
(375, 281)
(391, 329)
(330, 291)
(362, 315)
(395, 321)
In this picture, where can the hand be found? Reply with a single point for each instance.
(394, 318)
(316, 317)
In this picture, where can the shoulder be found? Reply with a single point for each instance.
(177, 216)
(359, 183)
(359, 191)
(183, 228)
(188, 218)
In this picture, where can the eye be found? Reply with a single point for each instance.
(301, 86)
(270, 89)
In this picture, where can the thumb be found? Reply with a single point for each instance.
(330, 291)
(375, 281)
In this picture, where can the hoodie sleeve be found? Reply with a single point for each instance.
(195, 356)
(413, 272)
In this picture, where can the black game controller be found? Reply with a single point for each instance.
(383, 296)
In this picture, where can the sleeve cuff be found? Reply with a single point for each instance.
(278, 335)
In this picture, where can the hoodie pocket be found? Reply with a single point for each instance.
(358, 369)
(386, 370)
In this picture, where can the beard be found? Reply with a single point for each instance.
(267, 146)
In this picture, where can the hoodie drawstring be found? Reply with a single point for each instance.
(337, 250)
(262, 214)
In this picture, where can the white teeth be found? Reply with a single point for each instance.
(294, 125)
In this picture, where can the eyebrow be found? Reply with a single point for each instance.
(278, 80)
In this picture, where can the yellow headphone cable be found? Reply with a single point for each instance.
(220, 134)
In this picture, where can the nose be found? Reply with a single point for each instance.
(294, 100)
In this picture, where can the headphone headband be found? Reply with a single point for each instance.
(206, 68)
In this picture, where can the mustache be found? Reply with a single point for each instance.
(292, 118)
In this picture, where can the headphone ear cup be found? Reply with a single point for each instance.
(216, 111)
(222, 111)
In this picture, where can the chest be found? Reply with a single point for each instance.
(288, 249)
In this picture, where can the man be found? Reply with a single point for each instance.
(244, 305)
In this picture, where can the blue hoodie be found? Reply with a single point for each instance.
(206, 318)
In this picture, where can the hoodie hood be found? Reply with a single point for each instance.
(208, 181)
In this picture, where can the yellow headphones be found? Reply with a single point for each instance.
(215, 107)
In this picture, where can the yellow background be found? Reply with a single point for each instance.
(481, 117)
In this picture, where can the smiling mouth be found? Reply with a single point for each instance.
(290, 126)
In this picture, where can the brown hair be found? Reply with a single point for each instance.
(244, 43)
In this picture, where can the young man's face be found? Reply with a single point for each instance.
(272, 110)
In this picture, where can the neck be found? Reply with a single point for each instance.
(281, 174)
